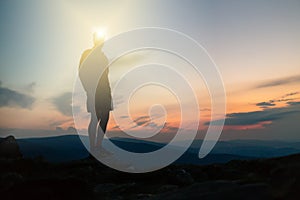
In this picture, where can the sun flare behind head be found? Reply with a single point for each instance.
(100, 33)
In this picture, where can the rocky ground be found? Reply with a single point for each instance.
(277, 178)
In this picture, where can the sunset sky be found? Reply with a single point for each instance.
(255, 44)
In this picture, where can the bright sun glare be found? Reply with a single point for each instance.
(100, 32)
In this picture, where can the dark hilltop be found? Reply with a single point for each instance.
(36, 178)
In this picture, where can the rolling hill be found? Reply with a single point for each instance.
(71, 147)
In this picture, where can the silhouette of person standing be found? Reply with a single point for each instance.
(93, 73)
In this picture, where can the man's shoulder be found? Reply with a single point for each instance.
(84, 55)
(87, 51)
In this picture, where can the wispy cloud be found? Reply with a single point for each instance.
(142, 120)
(290, 94)
(273, 102)
(124, 117)
(257, 117)
(29, 88)
(146, 121)
(279, 81)
(12, 98)
(63, 103)
(265, 104)
(60, 122)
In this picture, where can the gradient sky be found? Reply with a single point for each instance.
(255, 44)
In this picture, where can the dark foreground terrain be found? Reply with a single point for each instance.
(276, 178)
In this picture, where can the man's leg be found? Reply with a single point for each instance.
(104, 121)
(92, 129)
(104, 117)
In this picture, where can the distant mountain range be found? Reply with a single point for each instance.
(70, 147)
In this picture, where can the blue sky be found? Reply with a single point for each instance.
(252, 42)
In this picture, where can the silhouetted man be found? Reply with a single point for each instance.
(93, 62)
